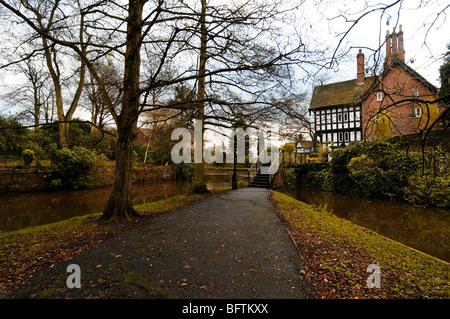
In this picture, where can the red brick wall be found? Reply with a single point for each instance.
(397, 85)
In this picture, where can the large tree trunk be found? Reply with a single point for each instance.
(64, 139)
(119, 203)
(199, 168)
(50, 58)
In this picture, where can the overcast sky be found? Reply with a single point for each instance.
(426, 33)
(323, 23)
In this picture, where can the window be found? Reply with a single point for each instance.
(341, 137)
(415, 92)
(339, 117)
(346, 136)
(345, 117)
(379, 96)
(416, 112)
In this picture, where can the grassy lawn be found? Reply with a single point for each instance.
(336, 254)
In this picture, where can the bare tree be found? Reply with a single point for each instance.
(94, 101)
(236, 55)
(49, 20)
(236, 49)
(32, 96)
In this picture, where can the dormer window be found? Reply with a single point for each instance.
(379, 96)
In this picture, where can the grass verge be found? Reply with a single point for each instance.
(336, 253)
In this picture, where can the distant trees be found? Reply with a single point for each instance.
(50, 24)
(34, 98)
(13, 136)
(444, 73)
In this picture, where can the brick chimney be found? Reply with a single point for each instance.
(401, 48)
(360, 76)
(394, 46)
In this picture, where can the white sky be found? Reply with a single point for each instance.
(321, 27)
(422, 44)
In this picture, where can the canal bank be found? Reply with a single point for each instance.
(339, 257)
(38, 179)
(21, 210)
(423, 228)
(334, 253)
(225, 245)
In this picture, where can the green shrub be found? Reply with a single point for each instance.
(183, 171)
(381, 168)
(440, 192)
(424, 190)
(27, 157)
(70, 167)
(290, 179)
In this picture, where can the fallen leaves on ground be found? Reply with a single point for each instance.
(335, 255)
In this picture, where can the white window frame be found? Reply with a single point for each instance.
(415, 91)
(379, 96)
(418, 111)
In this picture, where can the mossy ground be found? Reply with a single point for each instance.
(336, 254)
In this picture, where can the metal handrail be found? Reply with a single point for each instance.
(258, 165)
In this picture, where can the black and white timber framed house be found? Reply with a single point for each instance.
(337, 109)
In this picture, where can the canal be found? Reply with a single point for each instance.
(424, 228)
(22, 210)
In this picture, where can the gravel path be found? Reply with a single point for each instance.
(230, 245)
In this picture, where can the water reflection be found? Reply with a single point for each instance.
(30, 209)
(425, 229)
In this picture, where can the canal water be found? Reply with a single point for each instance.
(425, 229)
(24, 210)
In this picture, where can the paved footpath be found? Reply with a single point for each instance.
(231, 245)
